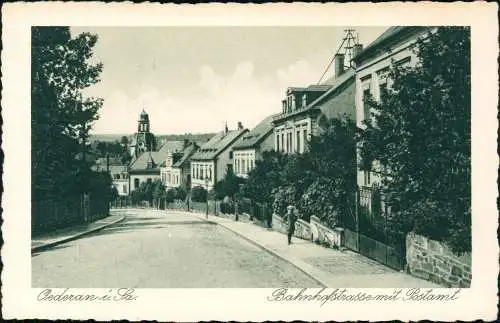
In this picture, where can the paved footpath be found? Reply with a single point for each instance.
(67, 234)
(330, 267)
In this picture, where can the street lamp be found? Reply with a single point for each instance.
(206, 185)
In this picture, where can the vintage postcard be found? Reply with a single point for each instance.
(250, 162)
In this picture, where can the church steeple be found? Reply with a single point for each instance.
(143, 123)
(144, 140)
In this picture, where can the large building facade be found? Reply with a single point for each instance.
(175, 171)
(212, 161)
(393, 47)
(249, 148)
(306, 111)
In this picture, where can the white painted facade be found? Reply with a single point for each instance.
(291, 137)
(200, 171)
(244, 161)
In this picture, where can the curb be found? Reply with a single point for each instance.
(274, 253)
(74, 237)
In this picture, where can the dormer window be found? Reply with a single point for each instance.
(283, 102)
(289, 106)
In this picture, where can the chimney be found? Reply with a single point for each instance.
(240, 125)
(339, 65)
(358, 48)
(225, 129)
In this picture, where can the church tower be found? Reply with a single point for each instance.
(143, 140)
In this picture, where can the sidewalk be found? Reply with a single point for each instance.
(330, 267)
(51, 239)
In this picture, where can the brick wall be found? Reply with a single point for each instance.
(302, 228)
(434, 261)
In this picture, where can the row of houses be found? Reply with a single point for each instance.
(304, 112)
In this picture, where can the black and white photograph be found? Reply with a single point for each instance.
(298, 159)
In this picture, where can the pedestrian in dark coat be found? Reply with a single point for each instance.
(290, 219)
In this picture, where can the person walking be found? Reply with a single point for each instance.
(290, 218)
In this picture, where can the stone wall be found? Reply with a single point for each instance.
(434, 261)
(302, 228)
(332, 238)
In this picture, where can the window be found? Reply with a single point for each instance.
(149, 180)
(197, 172)
(304, 100)
(231, 155)
(294, 107)
(289, 141)
(210, 173)
(403, 62)
(251, 164)
(277, 142)
(304, 140)
(298, 142)
(383, 91)
(289, 104)
(201, 174)
(284, 105)
(282, 141)
(125, 188)
(367, 177)
(243, 166)
(366, 107)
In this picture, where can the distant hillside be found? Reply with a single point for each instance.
(112, 137)
(197, 137)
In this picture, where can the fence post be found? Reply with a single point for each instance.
(356, 210)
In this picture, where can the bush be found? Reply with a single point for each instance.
(319, 200)
(171, 195)
(227, 207)
(198, 194)
(283, 197)
(181, 193)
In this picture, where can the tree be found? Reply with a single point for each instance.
(264, 177)
(420, 138)
(181, 193)
(171, 195)
(61, 118)
(198, 194)
(332, 159)
(158, 191)
(124, 141)
(228, 186)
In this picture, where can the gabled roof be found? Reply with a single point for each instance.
(332, 87)
(157, 157)
(217, 144)
(335, 83)
(172, 146)
(391, 33)
(254, 136)
(310, 88)
(188, 152)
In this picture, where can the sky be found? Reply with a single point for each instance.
(195, 79)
